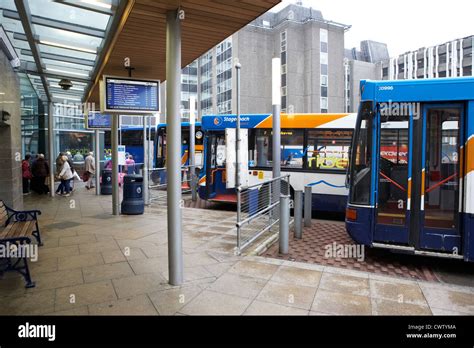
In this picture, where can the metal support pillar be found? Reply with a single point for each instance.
(145, 162)
(298, 214)
(284, 224)
(308, 193)
(237, 127)
(192, 147)
(97, 162)
(173, 163)
(115, 166)
(276, 125)
(51, 155)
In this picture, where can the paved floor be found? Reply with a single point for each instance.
(319, 239)
(97, 264)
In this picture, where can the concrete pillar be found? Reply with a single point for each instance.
(173, 163)
(10, 135)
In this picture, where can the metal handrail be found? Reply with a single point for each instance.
(242, 188)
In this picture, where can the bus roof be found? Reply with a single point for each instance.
(423, 90)
(183, 124)
(249, 121)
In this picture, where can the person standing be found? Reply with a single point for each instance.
(40, 171)
(59, 165)
(26, 174)
(90, 170)
(130, 165)
(66, 175)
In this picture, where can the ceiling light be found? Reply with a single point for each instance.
(61, 45)
(67, 72)
(97, 3)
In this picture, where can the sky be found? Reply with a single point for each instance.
(404, 25)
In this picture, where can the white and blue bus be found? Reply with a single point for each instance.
(314, 150)
(412, 167)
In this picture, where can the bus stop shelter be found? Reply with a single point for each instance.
(160, 38)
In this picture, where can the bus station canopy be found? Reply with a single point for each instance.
(141, 35)
(80, 40)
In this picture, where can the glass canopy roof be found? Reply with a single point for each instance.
(68, 35)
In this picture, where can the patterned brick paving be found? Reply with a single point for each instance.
(312, 249)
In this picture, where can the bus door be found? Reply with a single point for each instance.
(439, 178)
(393, 176)
(215, 165)
(418, 178)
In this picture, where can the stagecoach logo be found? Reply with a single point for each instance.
(218, 121)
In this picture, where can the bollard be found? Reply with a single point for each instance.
(298, 214)
(284, 224)
(308, 193)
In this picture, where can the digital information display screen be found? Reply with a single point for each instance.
(97, 120)
(131, 96)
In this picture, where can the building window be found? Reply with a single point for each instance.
(324, 47)
(324, 61)
(323, 35)
(283, 41)
(324, 92)
(324, 58)
(324, 103)
(324, 80)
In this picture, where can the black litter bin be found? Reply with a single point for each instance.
(133, 202)
(106, 185)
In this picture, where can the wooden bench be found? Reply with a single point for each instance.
(17, 227)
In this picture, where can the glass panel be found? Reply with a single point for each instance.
(67, 37)
(263, 148)
(67, 52)
(442, 168)
(328, 149)
(362, 157)
(393, 170)
(70, 14)
(60, 64)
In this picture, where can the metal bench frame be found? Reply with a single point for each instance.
(14, 217)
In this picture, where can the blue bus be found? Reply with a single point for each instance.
(160, 145)
(314, 151)
(411, 178)
(132, 138)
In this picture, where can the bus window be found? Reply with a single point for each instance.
(328, 149)
(361, 161)
(442, 168)
(161, 148)
(263, 148)
(393, 170)
(292, 148)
